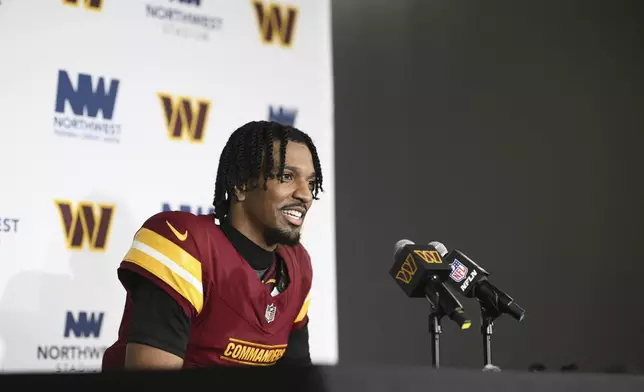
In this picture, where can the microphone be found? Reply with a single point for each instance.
(420, 272)
(472, 281)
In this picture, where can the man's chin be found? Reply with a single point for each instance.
(275, 236)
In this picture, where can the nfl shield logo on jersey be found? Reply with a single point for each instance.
(459, 271)
(270, 313)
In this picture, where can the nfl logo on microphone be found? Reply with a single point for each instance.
(269, 315)
(459, 271)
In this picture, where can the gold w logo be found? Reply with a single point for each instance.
(276, 21)
(184, 117)
(407, 270)
(92, 5)
(430, 256)
(83, 224)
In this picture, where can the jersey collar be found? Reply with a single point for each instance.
(258, 257)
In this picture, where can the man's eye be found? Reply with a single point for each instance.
(286, 177)
(311, 185)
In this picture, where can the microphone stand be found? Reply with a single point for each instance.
(435, 330)
(488, 315)
(439, 309)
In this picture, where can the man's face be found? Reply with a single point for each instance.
(278, 211)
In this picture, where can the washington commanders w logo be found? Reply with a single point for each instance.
(185, 117)
(93, 5)
(407, 270)
(276, 21)
(86, 223)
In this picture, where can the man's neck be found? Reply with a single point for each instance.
(256, 256)
(244, 226)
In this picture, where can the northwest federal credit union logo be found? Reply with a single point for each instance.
(92, 5)
(180, 18)
(282, 115)
(85, 107)
(196, 210)
(76, 354)
(85, 325)
(185, 117)
(86, 223)
(276, 22)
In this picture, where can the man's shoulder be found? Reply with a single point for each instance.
(166, 219)
(169, 250)
(173, 235)
(181, 228)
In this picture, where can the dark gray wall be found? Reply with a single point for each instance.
(513, 132)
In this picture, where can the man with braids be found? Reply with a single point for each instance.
(234, 293)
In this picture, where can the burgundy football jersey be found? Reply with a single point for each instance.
(236, 319)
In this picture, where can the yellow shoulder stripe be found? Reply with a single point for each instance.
(304, 310)
(170, 263)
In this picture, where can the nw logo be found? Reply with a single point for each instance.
(189, 2)
(92, 5)
(185, 118)
(86, 224)
(83, 99)
(276, 22)
(282, 116)
(199, 210)
(407, 270)
(84, 326)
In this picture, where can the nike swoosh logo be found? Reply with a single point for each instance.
(181, 237)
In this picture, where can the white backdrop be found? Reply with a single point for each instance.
(209, 50)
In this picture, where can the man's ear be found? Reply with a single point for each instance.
(240, 193)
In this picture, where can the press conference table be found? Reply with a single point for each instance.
(336, 378)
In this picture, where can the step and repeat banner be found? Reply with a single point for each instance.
(114, 110)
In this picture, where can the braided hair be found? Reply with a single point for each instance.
(249, 150)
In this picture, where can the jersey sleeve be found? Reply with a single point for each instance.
(165, 250)
(297, 351)
(157, 319)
